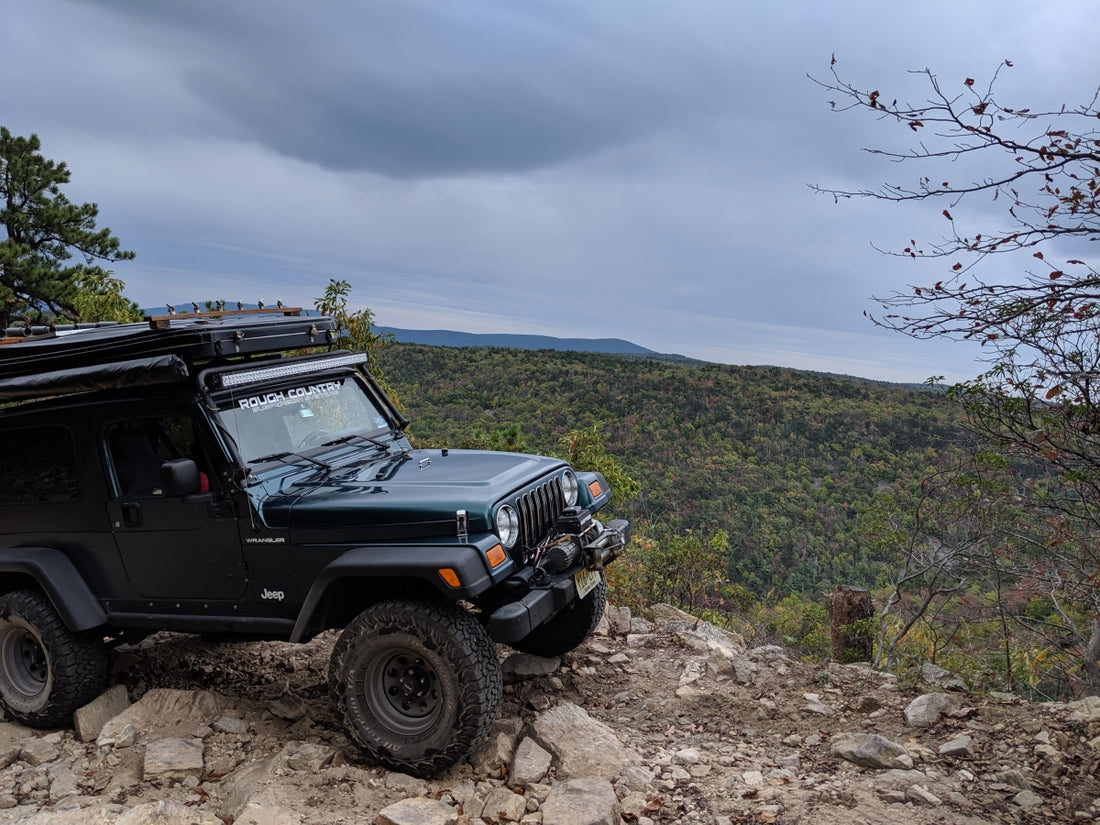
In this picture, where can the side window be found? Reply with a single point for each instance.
(138, 447)
(47, 465)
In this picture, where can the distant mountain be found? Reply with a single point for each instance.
(796, 467)
(450, 338)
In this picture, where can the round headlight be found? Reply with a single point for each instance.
(569, 487)
(507, 526)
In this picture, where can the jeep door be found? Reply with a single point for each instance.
(172, 546)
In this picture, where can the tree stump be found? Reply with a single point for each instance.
(849, 610)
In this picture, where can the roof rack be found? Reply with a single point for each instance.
(165, 321)
(33, 332)
(194, 337)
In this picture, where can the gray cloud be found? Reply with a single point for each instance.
(629, 168)
(428, 89)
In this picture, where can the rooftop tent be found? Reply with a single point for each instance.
(200, 337)
(161, 369)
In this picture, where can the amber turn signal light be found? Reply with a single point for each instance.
(496, 556)
(450, 576)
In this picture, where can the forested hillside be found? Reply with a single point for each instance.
(796, 468)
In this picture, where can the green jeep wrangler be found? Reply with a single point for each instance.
(188, 474)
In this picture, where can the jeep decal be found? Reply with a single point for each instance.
(282, 398)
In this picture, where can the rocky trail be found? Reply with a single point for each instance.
(664, 720)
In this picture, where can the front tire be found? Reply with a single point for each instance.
(569, 628)
(47, 672)
(417, 684)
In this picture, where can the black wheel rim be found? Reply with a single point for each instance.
(24, 661)
(402, 689)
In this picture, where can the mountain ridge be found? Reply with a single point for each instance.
(454, 338)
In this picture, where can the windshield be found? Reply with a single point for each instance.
(271, 422)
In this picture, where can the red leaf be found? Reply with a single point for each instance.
(969, 81)
(1038, 255)
(1056, 274)
(1053, 391)
(1075, 261)
(957, 267)
(915, 124)
(947, 215)
(1008, 63)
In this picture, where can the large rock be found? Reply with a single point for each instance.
(166, 813)
(663, 613)
(237, 788)
(418, 812)
(173, 759)
(870, 750)
(170, 713)
(926, 710)
(39, 750)
(581, 745)
(90, 719)
(959, 746)
(504, 805)
(698, 633)
(494, 754)
(12, 738)
(616, 620)
(531, 762)
(307, 756)
(936, 675)
(107, 815)
(1085, 710)
(585, 801)
(520, 667)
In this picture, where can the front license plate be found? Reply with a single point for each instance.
(586, 581)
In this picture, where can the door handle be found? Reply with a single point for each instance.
(131, 513)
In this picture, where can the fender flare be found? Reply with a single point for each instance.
(586, 478)
(410, 562)
(53, 571)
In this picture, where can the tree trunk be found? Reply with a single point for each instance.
(1092, 658)
(849, 610)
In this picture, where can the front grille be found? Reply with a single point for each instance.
(538, 509)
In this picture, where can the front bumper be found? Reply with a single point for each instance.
(549, 594)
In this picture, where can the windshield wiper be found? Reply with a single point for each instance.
(285, 455)
(344, 439)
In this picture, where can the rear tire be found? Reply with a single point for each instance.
(417, 684)
(47, 672)
(569, 628)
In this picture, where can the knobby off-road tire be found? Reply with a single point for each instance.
(417, 684)
(47, 672)
(569, 628)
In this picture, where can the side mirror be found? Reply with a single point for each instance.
(180, 477)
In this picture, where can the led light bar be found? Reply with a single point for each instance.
(238, 379)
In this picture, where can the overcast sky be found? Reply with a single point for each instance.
(581, 168)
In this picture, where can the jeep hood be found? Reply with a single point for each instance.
(401, 496)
